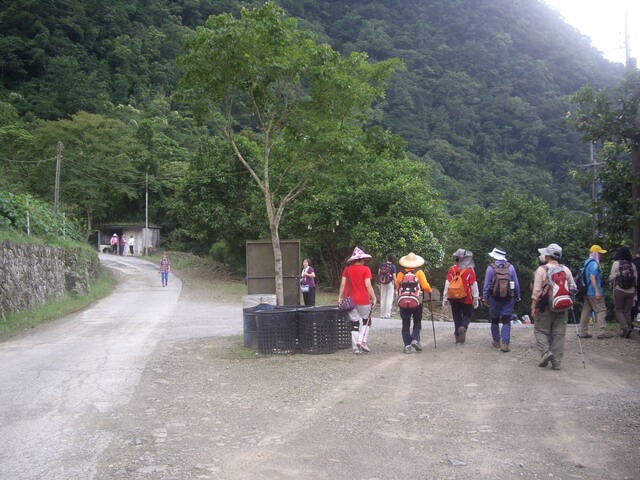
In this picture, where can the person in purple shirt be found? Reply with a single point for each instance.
(500, 291)
(308, 283)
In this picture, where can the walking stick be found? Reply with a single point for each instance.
(573, 314)
(433, 325)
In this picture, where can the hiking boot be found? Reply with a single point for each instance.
(546, 358)
(407, 349)
(462, 334)
(416, 344)
(365, 348)
(555, 365)
(586, 335)
(495, 344)
(605, 335)
(505, 348)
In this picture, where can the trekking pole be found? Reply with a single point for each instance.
(433, 325)
(573, 314)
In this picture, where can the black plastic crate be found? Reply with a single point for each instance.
(318, 329)
(277, 331)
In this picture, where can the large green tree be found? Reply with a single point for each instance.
(383, 203)
(102, 166)
(614, 117)
(305, 102)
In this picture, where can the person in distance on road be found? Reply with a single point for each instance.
(165, 268)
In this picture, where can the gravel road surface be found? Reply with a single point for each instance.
(152, 383)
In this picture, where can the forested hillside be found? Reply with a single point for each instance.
(484, 92)
(480, 101)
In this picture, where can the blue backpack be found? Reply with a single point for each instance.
(582, 282)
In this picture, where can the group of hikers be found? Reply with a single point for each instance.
(554, 290)
(119, 244)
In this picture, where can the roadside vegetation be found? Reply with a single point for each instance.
(17, 322)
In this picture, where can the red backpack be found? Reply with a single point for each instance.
(409, 291)
(557, 290)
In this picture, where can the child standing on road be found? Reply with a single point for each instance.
(165, 268)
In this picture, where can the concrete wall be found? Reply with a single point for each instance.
(31, 274)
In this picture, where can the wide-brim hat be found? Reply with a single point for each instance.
(553, 250)
(597, 248)
(498, 254)
(465, 258)
(411, 260)
(358, 254)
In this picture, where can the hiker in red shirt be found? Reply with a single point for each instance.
(463, 294)
(356, 283)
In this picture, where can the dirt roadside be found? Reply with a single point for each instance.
(203, 411)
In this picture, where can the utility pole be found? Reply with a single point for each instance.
(593, 166)
(56, 189)
(146, 214)
(635, 154)
(594, 193)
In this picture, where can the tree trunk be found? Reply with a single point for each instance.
(274, 226)
(87, 232)
(277, 256)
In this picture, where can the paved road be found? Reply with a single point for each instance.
(61, 379)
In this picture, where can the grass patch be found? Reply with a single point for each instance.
(17, 322)
(242, 353)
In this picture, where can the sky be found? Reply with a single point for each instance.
(604, 22)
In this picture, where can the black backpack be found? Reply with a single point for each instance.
(385, 275)
(625, 278)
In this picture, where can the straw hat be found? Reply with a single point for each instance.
(358, 254)
(411, 260)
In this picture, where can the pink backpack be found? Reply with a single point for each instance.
(409, 292)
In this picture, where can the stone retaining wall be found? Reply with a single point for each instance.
(31, 274)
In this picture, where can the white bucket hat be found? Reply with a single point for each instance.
(498, 254)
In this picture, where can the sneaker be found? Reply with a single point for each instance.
(357, 350)
(495, 344)
(546, 358)
(628, 335)
(605, 335)
(462, 334)
(407, 349)
(555, 365)
(586, 335)
(364, 347)
(505, 348)
(416, 344)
